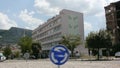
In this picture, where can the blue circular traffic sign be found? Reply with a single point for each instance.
(59, 54)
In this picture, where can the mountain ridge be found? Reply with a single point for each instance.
(13, 35)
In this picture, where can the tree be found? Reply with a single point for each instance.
(36, 48)
(116, 48)
(7, 51)
(25, 44)
(17, 54)
(71, 42)
(97, 40)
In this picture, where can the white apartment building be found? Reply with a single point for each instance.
(66, 23)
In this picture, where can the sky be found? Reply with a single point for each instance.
(30, 14)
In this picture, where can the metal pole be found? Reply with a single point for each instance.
(90, 56)
(58, 66)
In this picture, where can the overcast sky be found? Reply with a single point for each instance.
(31, 13)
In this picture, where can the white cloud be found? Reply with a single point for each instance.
(28, 18)
(54, 6)
(88, 7)
(44, 7)
(87, 26)
(6, 22)
(27, 27)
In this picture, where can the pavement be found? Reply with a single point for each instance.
(48, 64)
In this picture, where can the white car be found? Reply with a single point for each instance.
(2, 57)
(117, 54)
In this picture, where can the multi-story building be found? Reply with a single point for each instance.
(66, 23)
(112, 13)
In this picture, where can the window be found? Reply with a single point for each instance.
(57, 28)
(59, 20)
(109, 10)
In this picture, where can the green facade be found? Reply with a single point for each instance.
(73, 28)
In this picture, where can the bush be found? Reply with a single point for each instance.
(17, 54)
(7, 52)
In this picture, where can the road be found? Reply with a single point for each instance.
(49, 64)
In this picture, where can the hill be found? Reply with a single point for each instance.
(13, 35)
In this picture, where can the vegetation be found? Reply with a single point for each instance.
(25, 43)
(17, 54)
(7, 35)
(116, 48)
(7, 52)
(36, 48)
(98, 40)
(71, 42)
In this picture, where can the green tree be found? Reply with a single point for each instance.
(17, 54)
(116, 48)
(71, 42)
(98, 40)
(25, 44)
(36, 48)
(7, 51)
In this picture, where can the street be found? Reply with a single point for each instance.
(49, 64)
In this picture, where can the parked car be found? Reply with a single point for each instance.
(117, 54)
(2, 57)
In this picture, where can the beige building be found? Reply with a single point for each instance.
(66, 23)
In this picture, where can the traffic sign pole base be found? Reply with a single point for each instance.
(58, 66)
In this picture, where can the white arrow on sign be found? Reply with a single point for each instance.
(59, 48)
(52, 56)
(65, 57)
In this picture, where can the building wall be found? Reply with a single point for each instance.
(73, 23)
(112, 13)
(66, 23)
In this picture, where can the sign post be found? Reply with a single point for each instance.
(59, 55)
(58, 66)
(26, 56)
